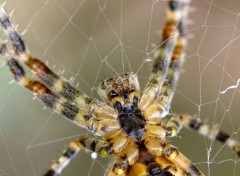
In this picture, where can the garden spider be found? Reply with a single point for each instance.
(134, 131)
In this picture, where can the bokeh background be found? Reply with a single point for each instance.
(91, 39)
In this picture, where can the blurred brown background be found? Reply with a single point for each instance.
(92, 39)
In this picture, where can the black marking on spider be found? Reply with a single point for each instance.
(120, 166)
(194, 168)
(195, 124)
(70, 111)
(51, 173)
(155, 170)
(49, 80)
(49, 100)
(16, 69)
(174, 5)
(67, 88)
(69, 153)
(159, 65)
(14, 37)
(222, 137)
(133, 123)
(93, 145)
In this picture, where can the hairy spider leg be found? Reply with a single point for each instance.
(80, 107)
(61, 96)
(212, 133)
(155, 135)
(163, 54)
(126, 158)
(159, 108)
(57, 84)
(101, 120)
(159, 147)
(19, 74)
(49, 78)
(84, 142)
(117, 143)
(164, 129)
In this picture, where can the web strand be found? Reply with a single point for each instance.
(86, 41)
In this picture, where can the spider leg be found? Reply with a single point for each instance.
(213, 133)
(164, 129)
(84, 142)
(160, 106)
(74, 105)
(141, 168)
(99, 121)
(119, 168)
(166, 52)
(56, 84)
(159, 147)
(48, 77)
(125, 158)
(118, 144)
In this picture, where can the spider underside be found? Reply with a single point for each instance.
(133, 125)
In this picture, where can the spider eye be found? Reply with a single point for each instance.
(113, 93)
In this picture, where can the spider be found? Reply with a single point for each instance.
(130, 125)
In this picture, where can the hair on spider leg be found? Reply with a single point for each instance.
(2, 58)
(130, 113)
(3, 48)
(4, 52)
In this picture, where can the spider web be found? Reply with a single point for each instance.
(86, 40)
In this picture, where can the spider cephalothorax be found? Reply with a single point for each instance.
(122, 91)
(131, 126)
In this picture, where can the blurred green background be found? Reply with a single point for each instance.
(92, 39)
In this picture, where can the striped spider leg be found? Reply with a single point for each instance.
(213, 133)
(67, 100)
(159, 91)
(126, 130)
(165, 88)
(56, 93)
(68, 110)
(131, 126)
(162, 84)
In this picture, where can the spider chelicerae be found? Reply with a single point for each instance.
(132, 125)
